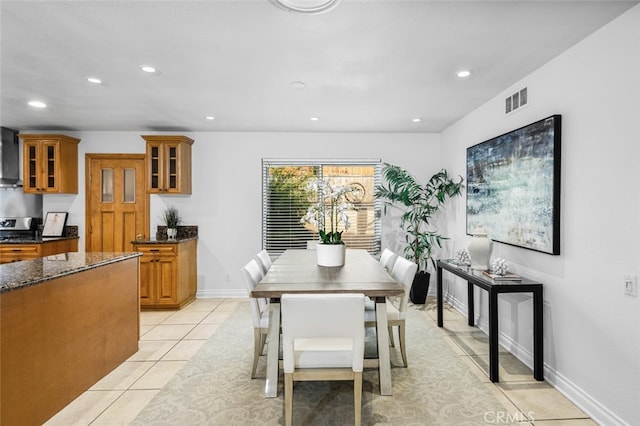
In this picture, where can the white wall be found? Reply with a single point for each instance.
(227, 194)
(591, 333)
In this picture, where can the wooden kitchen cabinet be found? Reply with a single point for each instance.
(17, 252)
(50, 164)
(168, 164)
(168, 274)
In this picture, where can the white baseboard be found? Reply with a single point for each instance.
(599, 413)
(232, 293)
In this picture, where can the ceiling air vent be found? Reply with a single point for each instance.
(516, 101)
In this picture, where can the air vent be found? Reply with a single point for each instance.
(516, 101)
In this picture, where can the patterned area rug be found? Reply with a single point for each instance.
(215, 387)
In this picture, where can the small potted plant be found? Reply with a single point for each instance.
(172, 219)
(418, 203)
(327, 215)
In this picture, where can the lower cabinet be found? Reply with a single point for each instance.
(168, 274)
(18, 252)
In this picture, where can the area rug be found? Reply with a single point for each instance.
(215, 387)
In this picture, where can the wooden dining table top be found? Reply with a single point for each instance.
(296, 271)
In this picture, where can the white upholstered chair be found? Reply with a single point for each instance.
(322, 339)
(388, 259)
(403, 271)
(252, 273)
(264, 260)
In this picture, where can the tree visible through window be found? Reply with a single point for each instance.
(287, 196)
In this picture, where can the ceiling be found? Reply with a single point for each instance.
(365, 66)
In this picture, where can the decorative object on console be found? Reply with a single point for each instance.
(507, 276)
(499, 266)
(462, 257)
(480, 249)
(513, 186)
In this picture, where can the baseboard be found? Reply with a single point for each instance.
(592, 407)
(230, 293)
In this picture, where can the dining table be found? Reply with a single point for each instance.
(296, 271)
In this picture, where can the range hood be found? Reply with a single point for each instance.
(9, 159)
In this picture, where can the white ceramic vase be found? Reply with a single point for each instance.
(330, 254)
(480, 249)
(171, 233)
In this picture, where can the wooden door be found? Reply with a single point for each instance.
(117, 202)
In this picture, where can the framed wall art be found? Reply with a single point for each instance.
(513, 186)
(54, 224)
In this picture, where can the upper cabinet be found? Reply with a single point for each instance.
(50, 164)
(168, 164)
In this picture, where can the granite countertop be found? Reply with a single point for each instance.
(14, 276)
(165, 241)
(37, 240)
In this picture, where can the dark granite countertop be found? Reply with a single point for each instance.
(37, 240)
(165, 241)
(14, 276)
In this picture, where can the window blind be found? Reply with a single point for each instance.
(286, 196)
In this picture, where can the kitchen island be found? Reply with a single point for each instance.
(66, 321)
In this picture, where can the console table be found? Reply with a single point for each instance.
(494, 288)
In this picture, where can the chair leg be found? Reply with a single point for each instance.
(403, 344)
(288, 398)
(357, 397)
(257, 349)
(391, 342)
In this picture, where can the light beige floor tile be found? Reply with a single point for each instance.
(184, 350)
(84, 409)
(202, 331)
(154, 317)
(144, 329)
(168, 332)
(510, 368)
(230, 304)
(125, 408)
(158, 375)
(185, 317)
(457, 326)
(202, 305)
(566, 422)
(217, 317)
(541, 400)
(152, 350)
(124, 376)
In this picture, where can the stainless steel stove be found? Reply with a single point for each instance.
(18, 228)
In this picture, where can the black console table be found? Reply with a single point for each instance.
(494, 288)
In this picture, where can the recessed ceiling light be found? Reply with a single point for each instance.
(148, 68)
(210, 117)
(94, 80)
(37, 104)
(298, 84)
(306, 6)
(314, 119)
(463, 73)
(416, 120)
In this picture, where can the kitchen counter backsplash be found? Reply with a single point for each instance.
(70, 231)
(186, 231)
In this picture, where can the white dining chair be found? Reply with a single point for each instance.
(322, 339)
(252, 274)
(403, 271)
(388, 259)
(264, 260)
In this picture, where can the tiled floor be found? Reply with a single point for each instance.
(169, 340)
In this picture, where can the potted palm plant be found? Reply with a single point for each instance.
(172, 219)
(418, 203)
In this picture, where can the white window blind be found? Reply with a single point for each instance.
(286, 197)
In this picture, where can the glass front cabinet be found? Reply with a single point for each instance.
(168, 164)
(50, 164)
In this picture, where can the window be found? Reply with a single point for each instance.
(286, 197)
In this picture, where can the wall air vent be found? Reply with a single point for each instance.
(516, 101)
